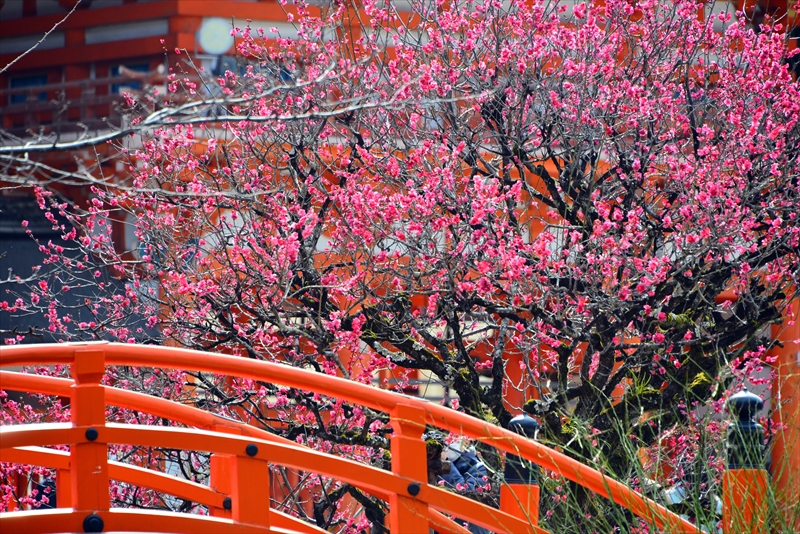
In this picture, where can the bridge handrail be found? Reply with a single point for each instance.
(382, 400)
(162, 408)
(185, 489)
(372, 479)
(134, 400)
(140, 476)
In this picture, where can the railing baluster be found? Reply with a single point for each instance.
(63, 488)
(409, 460)
(251, 488)
(222, 474)
(89, 460)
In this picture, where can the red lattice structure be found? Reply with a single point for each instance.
(246, 453)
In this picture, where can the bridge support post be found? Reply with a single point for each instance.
(519, 496)
(745, 485)
(744, 504)
(89, 459)
(785, 465)
(251, 488)
(221, 466)
(409, 460)
(521, 501)
(63, 488)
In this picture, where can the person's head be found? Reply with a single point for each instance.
(453, 450)
(434, 445)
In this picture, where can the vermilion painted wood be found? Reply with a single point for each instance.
(147, 478)
(250, 489)
(88, 459)
(162, 408)
(172, 485)
(221, 468)
(786, 386)
(171, 410)
(125, 520)
(521, 500)
(165, 357)
(409, 460)
(64, 483)
(378, 482)
(744, 501)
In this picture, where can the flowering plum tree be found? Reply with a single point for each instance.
(593, 205)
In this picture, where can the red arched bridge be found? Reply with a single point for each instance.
(415, 506)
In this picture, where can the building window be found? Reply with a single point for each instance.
(131, 85)
(27, 81)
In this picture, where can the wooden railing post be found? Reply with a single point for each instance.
(745, 485)
(250, 488)
(519, 496)
(221, 467)
(63, 488)
(89, 460)
(409, 460)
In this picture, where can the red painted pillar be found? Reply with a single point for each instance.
(744, 503)
(250, 488)
(410, 461)
(786, 412)
(520, 501)
(222, 466)
(63, 489)
(89, 459)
